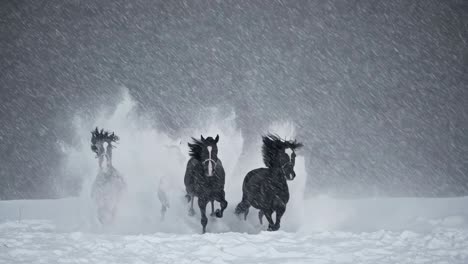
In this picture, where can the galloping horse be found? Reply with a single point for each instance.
(266, 188)
(109, 185)
(205, 177)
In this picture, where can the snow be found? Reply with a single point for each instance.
(390, 230)
(317, 230)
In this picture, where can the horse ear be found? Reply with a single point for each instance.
(202, 138)
(217, 138)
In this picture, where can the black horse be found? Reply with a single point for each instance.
(109, 185)
(205, 177)
(266, 188)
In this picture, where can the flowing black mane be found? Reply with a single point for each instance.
(195, 148)
(101, 135)
(272, 145)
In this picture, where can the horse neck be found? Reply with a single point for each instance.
(109, 152)
(108, 159)
(278, 174)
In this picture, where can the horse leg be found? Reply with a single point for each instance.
(279, 213)
(191, 210)
(102, 215)
(222, 200)
(280, 208)
(212, 208)
(260, 216)
(267, 214)
(104, 208)
(105, 214)
(164, 203)
(243, 208)
(163, 211)
(204, 220)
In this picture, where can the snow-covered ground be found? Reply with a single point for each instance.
(404, 230)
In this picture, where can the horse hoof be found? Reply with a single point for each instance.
(191, 212)
(273, 228)
(219, 213)
(238, 216)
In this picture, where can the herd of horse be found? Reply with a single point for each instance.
(265, 189)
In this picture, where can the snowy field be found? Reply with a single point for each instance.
(317, 230)
(331, 231)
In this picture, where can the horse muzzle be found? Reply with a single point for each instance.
(291, 175)
(288, 171)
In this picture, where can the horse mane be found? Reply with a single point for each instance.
(101, 135)
(272, 145)
(195, 148)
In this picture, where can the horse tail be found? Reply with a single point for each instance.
(243, 206)
(188, 197)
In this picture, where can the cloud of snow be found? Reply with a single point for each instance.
(150, 159)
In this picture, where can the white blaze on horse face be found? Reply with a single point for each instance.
(104, 155)
(99, 153)
(289, 152)
(210, 166)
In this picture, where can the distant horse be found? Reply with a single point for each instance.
(205, 177)
(166, 182)
(266, 188)
(109, 185)
(163, 199)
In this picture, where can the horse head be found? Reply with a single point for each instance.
(101, 144)
(206, 151)
(280, 154)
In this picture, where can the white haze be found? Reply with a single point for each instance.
(149, 159)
